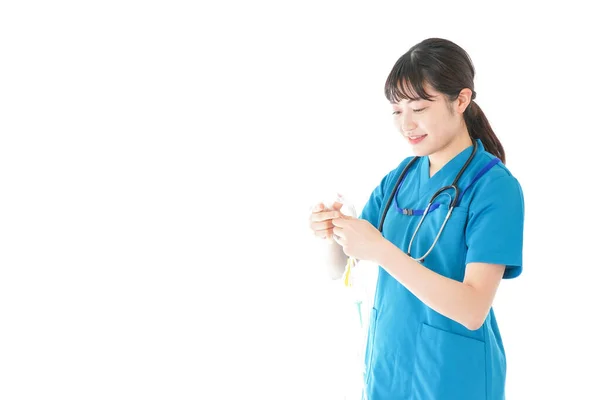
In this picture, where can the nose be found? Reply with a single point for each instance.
(407, 124)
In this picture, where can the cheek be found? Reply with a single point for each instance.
(434, 127)
(425, 125)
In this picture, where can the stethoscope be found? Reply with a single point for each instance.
(453, 186)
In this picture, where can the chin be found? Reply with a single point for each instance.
(421, 151)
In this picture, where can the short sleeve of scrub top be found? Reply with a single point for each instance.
(494, 232)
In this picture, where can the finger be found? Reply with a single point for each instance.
(337, 205)
(318, 207)
(320, 226)
(324, 233)
(339, 232)
(325, 215)
(315, 209)
(341, 221)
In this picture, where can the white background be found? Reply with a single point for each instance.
(157, 164)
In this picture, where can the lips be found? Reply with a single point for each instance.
(416, 138)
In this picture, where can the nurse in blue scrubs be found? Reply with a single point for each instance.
(433, 334)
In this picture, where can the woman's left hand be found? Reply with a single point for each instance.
(358, 238)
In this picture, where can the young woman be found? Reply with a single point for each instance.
(445, 227)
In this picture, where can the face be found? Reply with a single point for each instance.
(429, 125)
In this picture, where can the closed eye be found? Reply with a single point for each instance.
(417, 111)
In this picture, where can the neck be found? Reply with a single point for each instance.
(440, 158)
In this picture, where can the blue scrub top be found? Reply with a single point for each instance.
(412, 351)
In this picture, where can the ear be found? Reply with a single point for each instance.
(463, 100)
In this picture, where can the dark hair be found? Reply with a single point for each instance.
(448, 69)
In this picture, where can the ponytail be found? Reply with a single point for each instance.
(480, 128)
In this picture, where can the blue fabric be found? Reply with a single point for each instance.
(435, 205)
(412, 351)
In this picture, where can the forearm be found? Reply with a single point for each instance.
(453, 299)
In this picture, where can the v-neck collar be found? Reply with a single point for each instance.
(447, 174)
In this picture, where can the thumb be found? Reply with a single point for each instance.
(338, 203)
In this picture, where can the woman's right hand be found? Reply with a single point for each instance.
(320, 220)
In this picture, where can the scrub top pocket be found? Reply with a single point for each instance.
(448, 366)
